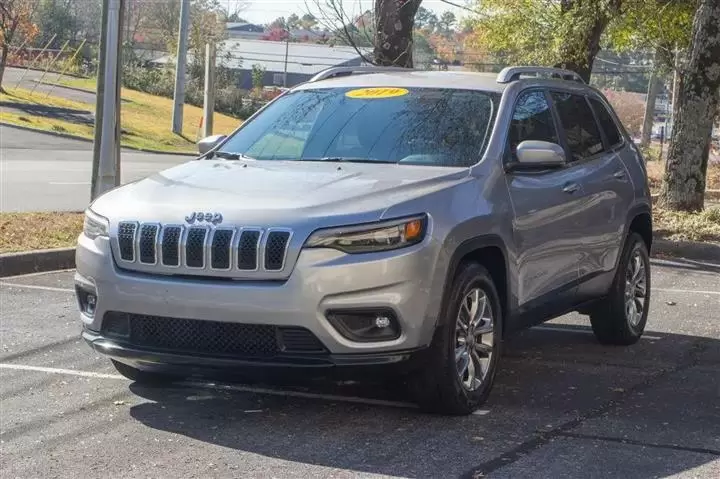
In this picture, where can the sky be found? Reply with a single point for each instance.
(265, 11)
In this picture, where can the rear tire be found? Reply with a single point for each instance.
(620, 319)
(143, 377)
(460, 369)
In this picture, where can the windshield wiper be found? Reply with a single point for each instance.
(348, 159)
(226, 155)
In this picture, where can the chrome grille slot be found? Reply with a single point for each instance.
(275, 249)
(248, 250)
(203, 250)
(195, 247)
(171, 245)
(126, 240)
(147, 242)
(220, 253)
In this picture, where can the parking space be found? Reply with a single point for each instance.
(563, 405)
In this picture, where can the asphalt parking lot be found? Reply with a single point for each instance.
(562, 406)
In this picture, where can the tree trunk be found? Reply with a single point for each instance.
(3, 60)
(582, 44)
(683, 186)
(652, 93)
(394, 22)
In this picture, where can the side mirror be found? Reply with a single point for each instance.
(540, 154)
(210, 142)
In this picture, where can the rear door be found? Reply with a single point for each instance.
(593, 143)
(548, 210)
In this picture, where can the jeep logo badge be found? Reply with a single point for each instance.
(200, 217)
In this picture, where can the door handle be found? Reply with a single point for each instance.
(571, 188)
(619, 174)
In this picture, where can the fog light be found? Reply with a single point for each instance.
(87, 300)
(382, 322)
(90, 304)
(365, 325)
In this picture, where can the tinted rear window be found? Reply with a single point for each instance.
(606, 123)
(442, 127)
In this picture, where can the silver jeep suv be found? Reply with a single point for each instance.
(377, 217)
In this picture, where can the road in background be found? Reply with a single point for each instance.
(29, 80)
(40, 172)
(563, 406)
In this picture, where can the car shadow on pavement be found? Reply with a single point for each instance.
(642, 411)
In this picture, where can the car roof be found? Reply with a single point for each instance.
(413, 79)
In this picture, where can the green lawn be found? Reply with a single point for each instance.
(146, 119)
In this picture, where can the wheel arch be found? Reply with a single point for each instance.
(640, 221)
(489, 251)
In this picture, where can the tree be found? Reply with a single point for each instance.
(56, 20)
(394, 25)
(308, 21)
(293, 22)
(447, 23)
(695, 111)
(388, 29)
(426, 20)
(279, 22)
(15, 23)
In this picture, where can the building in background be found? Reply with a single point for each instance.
(304, 60)
(248, 31)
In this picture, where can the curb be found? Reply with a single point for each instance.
(13, 264)
(88, 140)
(36, 69)
(686, 249)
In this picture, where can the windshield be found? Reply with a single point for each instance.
(442, 127)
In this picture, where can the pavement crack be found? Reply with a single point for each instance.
(540, 439)
(699, 450)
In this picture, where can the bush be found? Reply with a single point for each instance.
(161, 82)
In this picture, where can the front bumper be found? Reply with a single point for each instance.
(172, 361)
(322, 280)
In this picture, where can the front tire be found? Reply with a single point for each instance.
(621, 318)
(145, 378)
(462, 362)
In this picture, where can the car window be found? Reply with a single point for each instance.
(429, 126)
(606, 123)
(532, 120)
(581, 130)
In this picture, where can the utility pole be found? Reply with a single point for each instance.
(209, 97)
(99, 98)
(179, 95)
(106, 165)
(287, 49)
(652, 92)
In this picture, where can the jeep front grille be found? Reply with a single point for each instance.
(168, 248)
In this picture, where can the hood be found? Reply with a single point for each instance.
(278, 192)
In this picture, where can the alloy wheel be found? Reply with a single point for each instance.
(474, 339)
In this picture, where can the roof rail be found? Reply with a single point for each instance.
(509, 74)
(337, 71)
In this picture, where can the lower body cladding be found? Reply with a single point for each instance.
(334, 310)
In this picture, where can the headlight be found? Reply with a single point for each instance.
(95, 225)
(387, 235)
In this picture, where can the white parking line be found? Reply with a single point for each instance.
(68, 183)
(34, 286)
(40, 369)
(223, 387)
(582, 330)
(691, 291)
